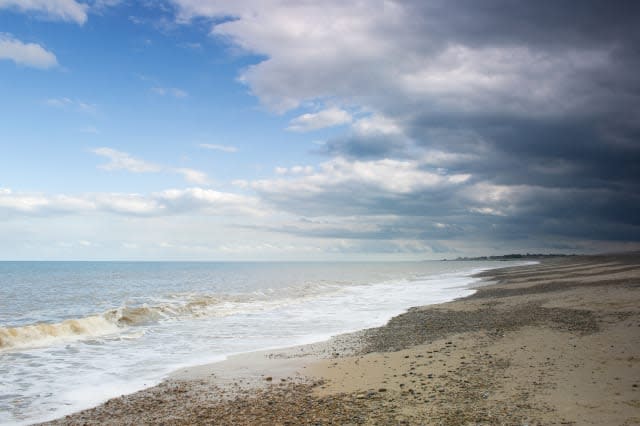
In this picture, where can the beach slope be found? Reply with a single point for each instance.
(553, 343)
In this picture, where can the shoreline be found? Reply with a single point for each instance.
(464, 273)
(439, 364)
(250, 365)
(328, 310)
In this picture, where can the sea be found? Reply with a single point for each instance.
(75, 334)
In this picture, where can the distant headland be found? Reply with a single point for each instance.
(515, 256)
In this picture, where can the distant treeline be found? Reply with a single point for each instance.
(516, 256)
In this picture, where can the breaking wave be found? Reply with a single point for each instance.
(43, 334)
(116, 321)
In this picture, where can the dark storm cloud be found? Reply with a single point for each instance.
(540, 23)
(591, 150)
(550, 152)
(597, 140)
(365, 146)
(536, 102)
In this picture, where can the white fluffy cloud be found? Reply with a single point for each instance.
(388, 176)
(210, 201)
(395, 57)
(65, 10)
(377, 124)
(319, 120)
(313, 49)
(294, 170)
(169, 202)
(35, 203)
(193, 176)
(27, 54)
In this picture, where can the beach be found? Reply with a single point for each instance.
(552, 343)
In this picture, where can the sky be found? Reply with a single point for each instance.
(308, 130)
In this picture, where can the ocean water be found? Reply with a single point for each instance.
(74, 334)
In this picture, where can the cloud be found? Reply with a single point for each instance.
(465, 125)
(532, 105)
(119, 160)
(35, 203)
(382, 186)
(64, 10)
(357, 145)
(377, 124)
(374, 136)
(189, 201)
(371, 55)
(170, 91)
(267, 248)
(410, 199)
(193, 176)
(294, 170)
(210, 201)
(64, 102)
(27, 54)
(214, 147)
(319, 120)
(100, 5)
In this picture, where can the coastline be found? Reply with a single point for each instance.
(539, 344)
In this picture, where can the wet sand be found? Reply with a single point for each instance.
(554, 343)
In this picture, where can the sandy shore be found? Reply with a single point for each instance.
(554, 343)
